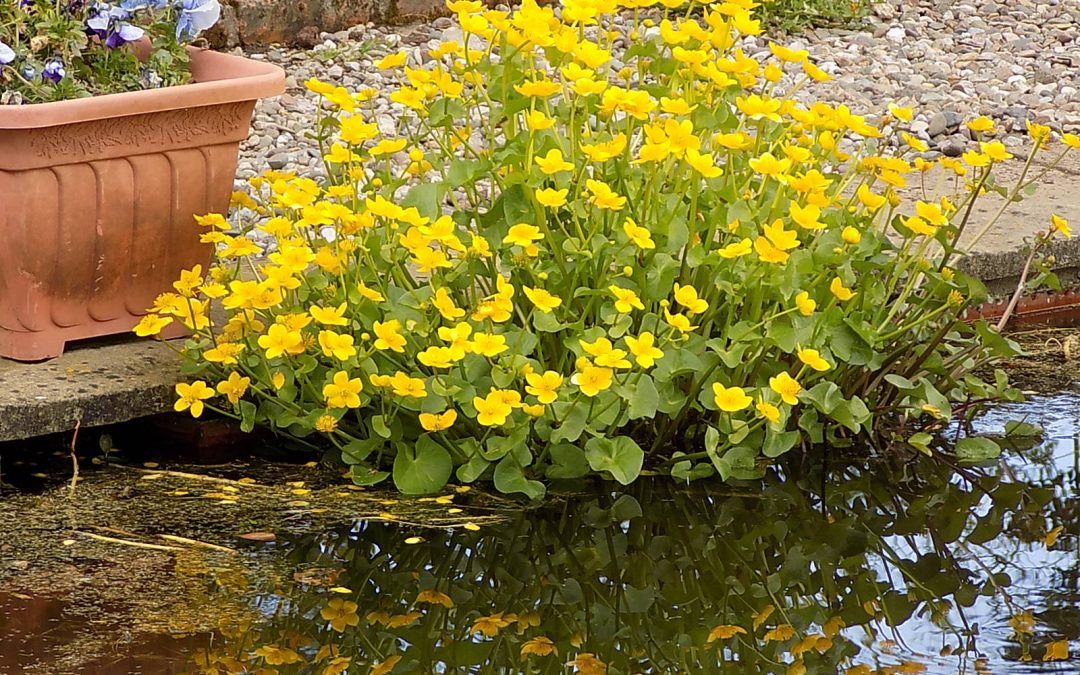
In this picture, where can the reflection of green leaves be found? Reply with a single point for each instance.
(976, 449)
(619, 456)
(423, 469)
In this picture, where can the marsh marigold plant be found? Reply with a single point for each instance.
(561, 263)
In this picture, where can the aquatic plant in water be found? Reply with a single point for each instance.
(590, 265)
(54, 50)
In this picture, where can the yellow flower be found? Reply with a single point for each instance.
(639, 236)
(279, 340)
(603, 196)
(388, 336)
(902, 114)
(553, 162)
(337, 345)
(704, 164)
(525, 236)
(785, 240)
(538, 88)
(605, 353)
(644, 349)
(538, 646)
(981, 125)
(758, 108)
(625, 299)
(343, 392)
(787, 54)
(768, 165)
(544, 301)
(403, 385)
(871, 201)
(592, 380)
(438, 421)
(807, 216)
(1059, 224)
(536, 120)
(995, 150)
(492, 410)
(767, 410)
(341, 614)
(812, 358)
(544, 387)
(805, 303)
(787, 387)
(234, 387)
(445, 304)
(842, 293)
(487, 344)
(151, 324)
(326, 423)
(192, 397)
(851, 235)
(730, 399)
(679, 322)
(551, 197)
(770, 253)
(920, 226)
(737, 249)
(437, 357)
(687, 296)
(391, 61)
(331, 316)
(457, 338)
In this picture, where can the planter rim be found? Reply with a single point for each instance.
(220, 78)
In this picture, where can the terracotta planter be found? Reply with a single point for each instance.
(97, 198)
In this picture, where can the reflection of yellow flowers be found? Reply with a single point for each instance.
(538, 646)
(385, 666)
(341, 614)
(431, 596)
(489, 626)
(276, 655)
(724, 632)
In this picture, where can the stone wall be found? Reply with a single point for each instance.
(299, 22)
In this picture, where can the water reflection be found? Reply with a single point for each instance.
(904, 567)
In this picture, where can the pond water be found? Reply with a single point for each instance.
(905, 565)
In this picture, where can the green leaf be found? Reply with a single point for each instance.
(644, 399)
(568, 461)
(620, 456)
(378, 425)
(510, 478)
(574, 418)
(976, 449)
(825, 396)
(1018, 429)
(779, 442)
(359, 450)
(424, 469)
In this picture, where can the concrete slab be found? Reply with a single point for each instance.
(99, 383)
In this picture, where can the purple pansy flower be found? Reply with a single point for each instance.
(7, 54)
(110, 25)
(195, 17)
(54, 70)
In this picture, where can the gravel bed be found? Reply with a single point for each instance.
(1013, 60)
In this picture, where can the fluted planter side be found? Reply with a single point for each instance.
(98, 198)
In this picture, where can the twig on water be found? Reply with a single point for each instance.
(74, 460)
(125, 542)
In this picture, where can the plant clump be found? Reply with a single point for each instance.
(52, 50)
(601, 239)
